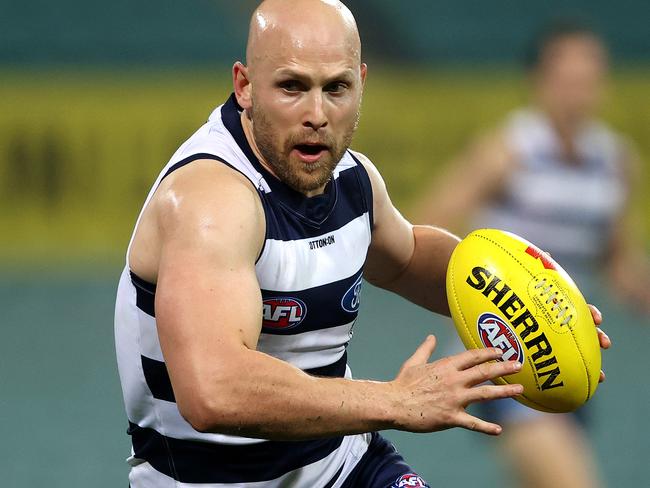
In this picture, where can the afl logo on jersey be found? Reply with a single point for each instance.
(351, 300)
(283, 313)
(495, 332)
(409, 481)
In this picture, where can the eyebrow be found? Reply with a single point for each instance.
(346, 74)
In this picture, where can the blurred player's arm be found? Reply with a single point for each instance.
(469, 180)
(209, 316)
(629, 265)
(410, 260)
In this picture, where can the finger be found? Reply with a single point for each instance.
(422, 353)
(595, 314)
(472, 357)
(476, 424)
(486, 393)
(488, 371)
(602, 376)
(605, 341)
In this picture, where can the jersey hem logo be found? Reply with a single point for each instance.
(409, 481)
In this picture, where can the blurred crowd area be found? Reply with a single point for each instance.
(95, 98)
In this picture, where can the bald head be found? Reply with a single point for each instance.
(283, 27)
(301, 89)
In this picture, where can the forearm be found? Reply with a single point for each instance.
(264, 397)
(422, 281)
(629, 276)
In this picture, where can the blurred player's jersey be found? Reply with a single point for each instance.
(310, 275)
(565, 208)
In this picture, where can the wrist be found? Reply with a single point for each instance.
(387, 406)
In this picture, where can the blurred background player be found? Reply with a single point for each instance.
(564, 180)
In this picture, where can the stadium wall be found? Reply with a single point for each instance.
(142, 32)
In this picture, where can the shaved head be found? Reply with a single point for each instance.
(278, 26)
(301, 88)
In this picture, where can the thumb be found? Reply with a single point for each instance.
(422, 353)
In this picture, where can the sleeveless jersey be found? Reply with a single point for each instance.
(566, 209)
(310, 274)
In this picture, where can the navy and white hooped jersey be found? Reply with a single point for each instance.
(566, 209)
(310, 274)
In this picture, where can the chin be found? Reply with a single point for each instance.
(312, 184)
(309, 181)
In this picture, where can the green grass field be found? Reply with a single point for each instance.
(78, 151)
(64, 424)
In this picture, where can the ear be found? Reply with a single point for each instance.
(364, 73)
(242, 85)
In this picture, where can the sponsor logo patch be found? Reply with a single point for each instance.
(322, 242)
(351, 300)
(283, 313)
(495, 332)
(409, 481)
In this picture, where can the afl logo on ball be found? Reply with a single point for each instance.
(409, 481)
(351, 300)
(495, 332)
(283, 313)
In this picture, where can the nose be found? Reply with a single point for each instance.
(315, 117)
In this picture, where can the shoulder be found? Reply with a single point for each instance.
(207, 199)
(367, 165)
(490, 155)
(605, 137)
(527, 130)
(630, 160)
(380, 197)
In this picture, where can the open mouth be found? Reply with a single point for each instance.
(310, 153)
(310, 149)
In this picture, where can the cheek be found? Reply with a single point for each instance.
(343, 115)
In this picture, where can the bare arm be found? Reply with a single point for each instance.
(470, 180)
(410, 260)
(629, 265)
(208, 311)
(417, 256)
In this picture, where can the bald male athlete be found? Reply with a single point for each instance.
(243, 277)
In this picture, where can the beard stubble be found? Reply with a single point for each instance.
(301, 177)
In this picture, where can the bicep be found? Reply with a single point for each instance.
(628, 230)
(392, 238)
(208, 302)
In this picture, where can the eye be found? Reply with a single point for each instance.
(291, 86)
(336, 87)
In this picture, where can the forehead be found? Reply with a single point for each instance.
(316, 46)
(575, 48)
(315, 60)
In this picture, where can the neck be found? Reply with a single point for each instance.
(566, 128)
(247, 125)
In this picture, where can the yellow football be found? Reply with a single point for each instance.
(505, 292)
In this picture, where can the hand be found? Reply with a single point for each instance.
(603, 338)
(433, 396)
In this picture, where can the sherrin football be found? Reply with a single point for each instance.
(505, 292)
